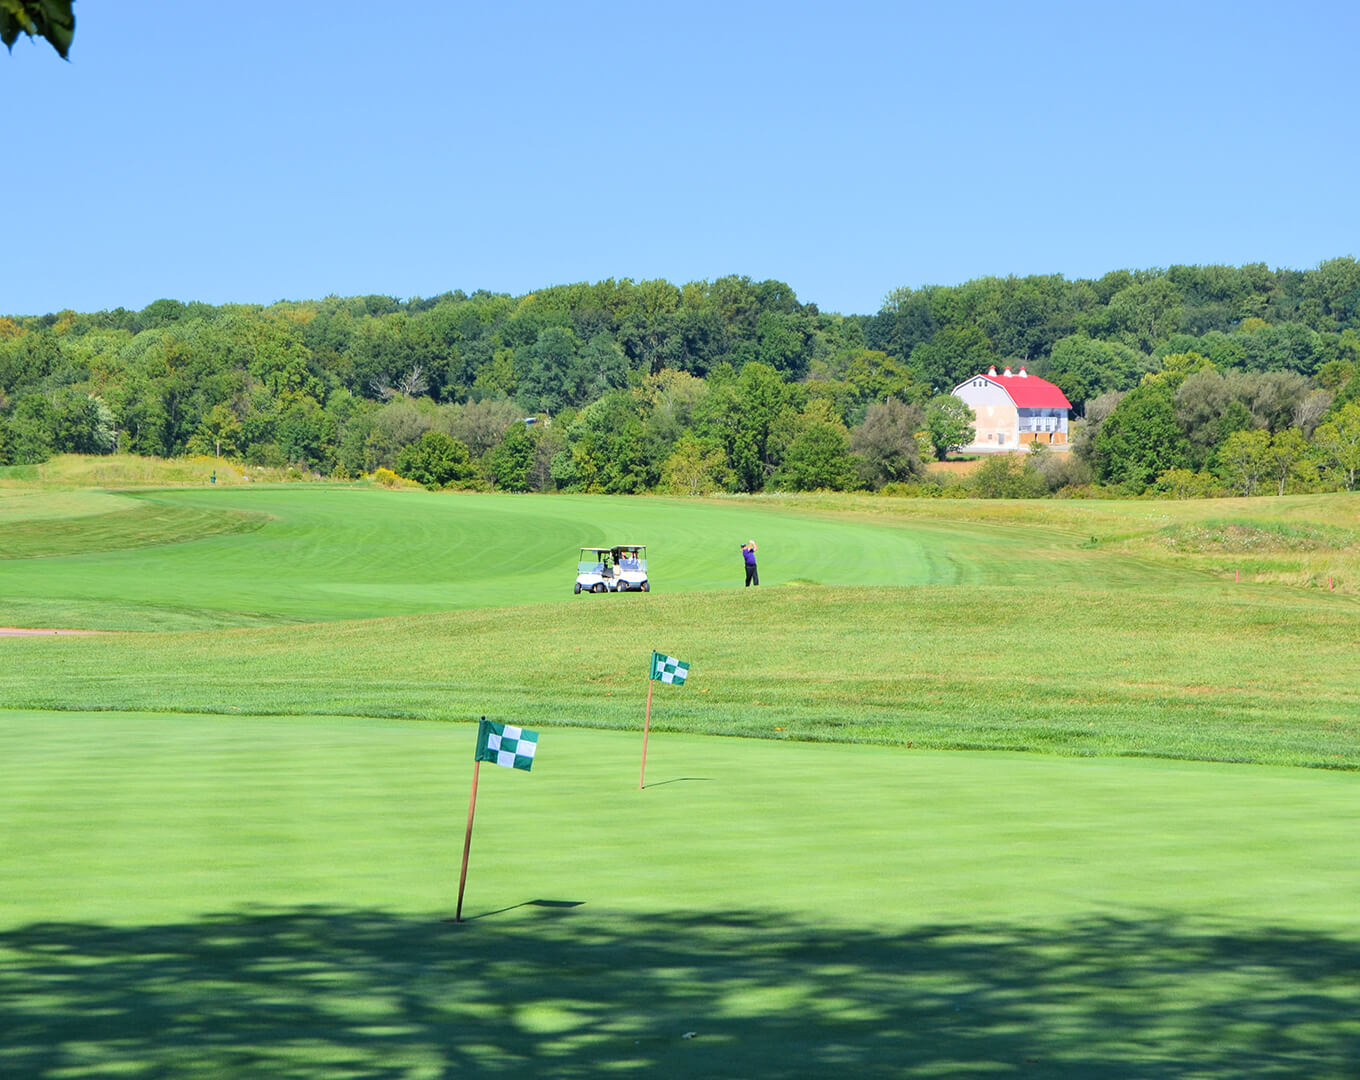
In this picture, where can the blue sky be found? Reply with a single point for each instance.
(847, 149)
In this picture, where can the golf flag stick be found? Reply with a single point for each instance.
(646, 724)
(467, 841)
(668, 670)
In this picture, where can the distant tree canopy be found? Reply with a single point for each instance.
(731, 384)
(51, 19)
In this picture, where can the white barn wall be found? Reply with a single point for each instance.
(997, 425)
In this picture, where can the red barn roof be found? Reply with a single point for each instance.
(1027, 391)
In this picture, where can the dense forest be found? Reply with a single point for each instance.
(1192, 380)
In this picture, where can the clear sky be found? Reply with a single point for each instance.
(190, 150)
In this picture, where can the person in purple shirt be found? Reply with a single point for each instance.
(748, 552)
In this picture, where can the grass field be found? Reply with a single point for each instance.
(231, 830)
(355, 552)
(265, 897)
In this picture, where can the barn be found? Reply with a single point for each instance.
(1013, 409)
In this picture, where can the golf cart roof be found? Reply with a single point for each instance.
(596, 549)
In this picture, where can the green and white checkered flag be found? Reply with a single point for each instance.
(507, 745)
(669, 669)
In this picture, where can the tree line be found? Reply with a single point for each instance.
(1186, 380)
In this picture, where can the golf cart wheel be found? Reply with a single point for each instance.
(645, 586)
(622, 586)
(597, 587)
(578, 588)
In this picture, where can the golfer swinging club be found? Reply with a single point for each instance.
(748, 552)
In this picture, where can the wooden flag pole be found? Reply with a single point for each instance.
(646, 725)
(467, 840)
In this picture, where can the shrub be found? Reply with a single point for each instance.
(1185, 484)
(436, 461)
(1008, 476)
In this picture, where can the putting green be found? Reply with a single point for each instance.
(204, 897)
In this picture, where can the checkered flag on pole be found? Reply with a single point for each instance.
(669, 669)
(501, 744)
(507, 745)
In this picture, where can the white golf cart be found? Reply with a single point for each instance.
(622, 568)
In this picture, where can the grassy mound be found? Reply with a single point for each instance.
(67, 471)
(127, 470)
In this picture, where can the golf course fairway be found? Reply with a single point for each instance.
(296, 553)
(1047, 789)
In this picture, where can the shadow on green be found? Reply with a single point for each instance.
(557, 990)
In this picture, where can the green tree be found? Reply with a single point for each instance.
(670, 398)
(739, 413)
(217, 433)
(305, 434)
(280, 359)
(80, 423)
(949, 422)
(609, 448)
(1289, 451)
(548, 372)
(390, 427)
(1140, 439)
(1244, 459)
(1145, 312)
(1084, 367)
(28, 361)
(1083, 432)
(1291, 347)
(32, 425)
(507, 464)
(436, 461)
(784, 342)
(818, 455)
(952, 355)
(1339, 441)
(886, 445)
(497, 377)
(140, 411)
(1211, 405)
(50, 19)
(694, 468)
(480, 425)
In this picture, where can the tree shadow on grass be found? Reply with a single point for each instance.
(559, 991)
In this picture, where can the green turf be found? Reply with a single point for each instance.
(352, 552)
(957, 625)
(189, 896)
(255, 555)
(240, 866)
(1214, 672)
(144, 524)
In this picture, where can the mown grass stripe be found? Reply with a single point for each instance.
(144, 523)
